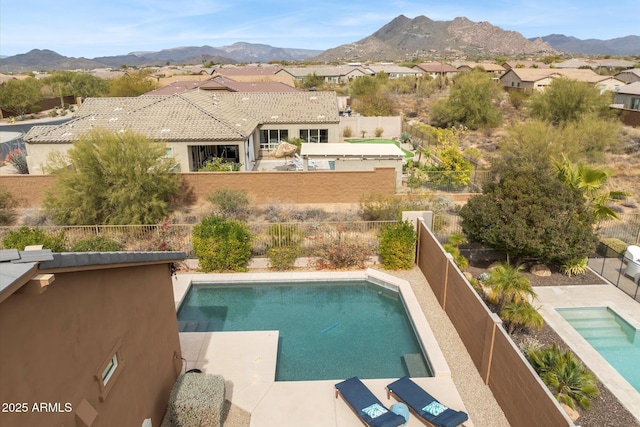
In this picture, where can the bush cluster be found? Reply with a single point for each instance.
(283, 257)
(197, 400)
(231, 203)
(222, 244)
(397, 246)
(96, 244)
(27, 236)
(338, 254)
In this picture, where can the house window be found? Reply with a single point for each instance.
(635, 103)
(108, 371)
(269, 138)
(314, 135)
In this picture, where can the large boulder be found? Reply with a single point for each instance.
(540, 270)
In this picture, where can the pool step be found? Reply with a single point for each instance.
(609, 342)
(193, 325)
(415, 365)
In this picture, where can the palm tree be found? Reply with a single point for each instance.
(520, 316)
(507, 284)
(565, 375)
(590, 181)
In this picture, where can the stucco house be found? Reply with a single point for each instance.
(394, 71)
(537, 79)
(331, 74)
(87, 339)
(197, 125)
(628, 97)
(437, 69)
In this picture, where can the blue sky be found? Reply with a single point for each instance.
(92, 28)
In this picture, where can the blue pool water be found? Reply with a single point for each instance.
(327, 331)
(615, 339)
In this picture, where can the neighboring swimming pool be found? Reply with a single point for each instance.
(327, 330)
(615, 339)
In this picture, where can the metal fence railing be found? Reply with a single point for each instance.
(177, 237)
(612, 265)
(627, 228)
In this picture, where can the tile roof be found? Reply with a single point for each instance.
(436, 67)
(248, 70)
(630, 89)
(196, 115)
(535, 74)
(18, 267)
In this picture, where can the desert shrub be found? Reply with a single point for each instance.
(219, 165)
(452, 247)
(96, 244)
(341, 253)
(18, 160)
(397, 245)
(197, 400)
(565, 375)
(378, 132)
(283, 257)
(230, 203)
(575, 267)
(375, 207)
(221, 244)
(347, 132)
(27, 236)
(8, 206)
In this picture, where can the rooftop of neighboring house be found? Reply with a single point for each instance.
(436, 67)
(392, 69)
(195, 115)
(524, 64)
(248, 70)
(326, 71)
(488, 66)
(535, 74)
(594, 63)
(630, 89)
(222, 83)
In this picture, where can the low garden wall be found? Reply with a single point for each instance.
(263, 187)
(523, 397)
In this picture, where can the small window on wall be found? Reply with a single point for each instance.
(109, 371)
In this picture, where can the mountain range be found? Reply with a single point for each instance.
(401, 39)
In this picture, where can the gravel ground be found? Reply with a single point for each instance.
(607, 411)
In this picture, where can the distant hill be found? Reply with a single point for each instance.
(47, 60)
(421, 37)
(622, 46)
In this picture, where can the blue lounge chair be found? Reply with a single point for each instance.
(423, 405)
(366, 406)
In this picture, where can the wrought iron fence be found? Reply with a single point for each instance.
(612, 265)
(177, 237)
(627, 228)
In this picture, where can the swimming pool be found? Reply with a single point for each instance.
(327, 330)
(614, 338)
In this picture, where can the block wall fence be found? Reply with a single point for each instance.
(266, 187)
(517, 388)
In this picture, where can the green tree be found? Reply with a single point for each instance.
(85, 85)
(531, 214)
(312, 81)
(566, 100)
(471, 103)
(370, 96)
(132, 84)
(590, 181)
(109, 178)
(17, 96)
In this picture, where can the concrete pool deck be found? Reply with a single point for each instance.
(552, 297)
(247, 360)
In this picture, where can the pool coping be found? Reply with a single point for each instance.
(249, 363)
(553, 297)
